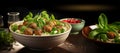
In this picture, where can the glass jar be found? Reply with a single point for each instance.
(12, 17)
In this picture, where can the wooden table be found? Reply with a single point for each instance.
(73, 44)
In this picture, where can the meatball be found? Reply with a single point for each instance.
(38, 32)
(52, 23)
(25, 23)
(47, 28)
(59, 26)
(19, 27)
(28, 31)
(33, 25)
(111, 35)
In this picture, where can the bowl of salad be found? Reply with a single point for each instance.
(41, 31)
(76, 23)
(103, 32)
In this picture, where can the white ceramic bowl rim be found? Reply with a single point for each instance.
(53, 35)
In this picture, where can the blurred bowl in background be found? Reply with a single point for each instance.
(76, 23)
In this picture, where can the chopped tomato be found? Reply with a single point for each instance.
(72, 20)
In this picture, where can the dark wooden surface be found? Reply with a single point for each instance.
(73, 44)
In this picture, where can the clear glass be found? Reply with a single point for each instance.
(13, 17)
(1, 21)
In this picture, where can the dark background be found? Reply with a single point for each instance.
(54, 6)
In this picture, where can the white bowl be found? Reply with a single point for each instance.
(41, 42)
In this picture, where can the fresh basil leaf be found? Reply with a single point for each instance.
(29, 16)
(93, 33)
(54, 31)
(22, 29)
(116, 39)
(62, 30)
(103, 37)
(102, 21)
(45, 15)
(52, 17)
(14, 27)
